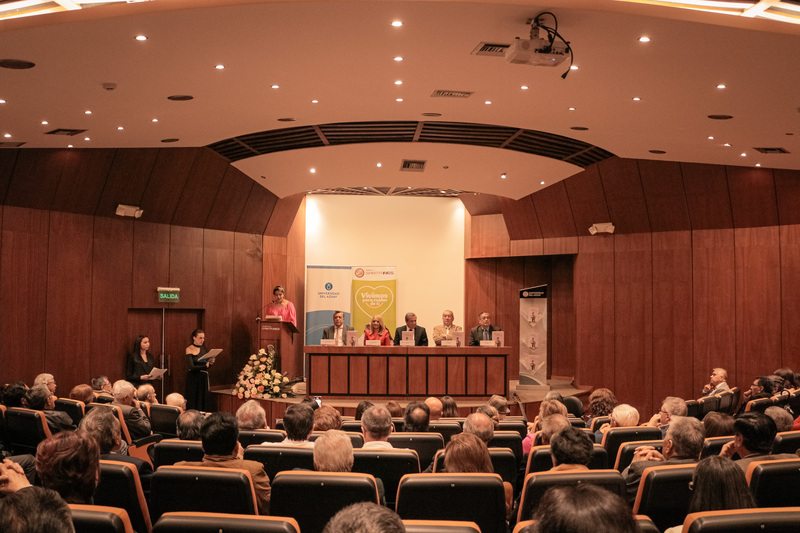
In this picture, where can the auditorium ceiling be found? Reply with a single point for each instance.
(305, 96)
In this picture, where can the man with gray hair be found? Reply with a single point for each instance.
(376, 426)
(717, 383)
(333, 452)
(124, 398)
(188, 425)
(553, 424)
(47, 380)
(623, 416)
(420, 335)
(146, 394)
(251, 416)
(672, 406)
(480, 425)
(41, 399)
(683, 444)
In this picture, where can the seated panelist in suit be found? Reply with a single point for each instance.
(338, 331)
(376, 330)
(420, 335)
(483, 331)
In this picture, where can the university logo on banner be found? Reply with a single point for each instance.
(327, 290)
(533, 336)
(374, 293)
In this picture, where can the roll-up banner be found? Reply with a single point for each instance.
(327, 290)
(374, 293)
(533, 336)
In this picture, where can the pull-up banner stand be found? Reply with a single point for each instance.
(533, 336)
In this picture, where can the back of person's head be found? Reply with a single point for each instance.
(377, 422)
(123, 390)
(449, 406)
(69, 463)
(333, 452)
(625, 415)
(361, 407)
(365, 517)
(789, 377)
(601, 402)
(82, 393)
(36, 397)
(757, 430)
(551, 407)
(499, 403)
(435, 406)
(219, 434)
(98, 382)
(783, 420)
(718, 424)
(251, 415)
(175, 399)
(554, 396)
(35, 510)
(552, 425)
(417, 417)
(718, 485)
(326, 417)
(583, 508)
(675, 406)
(766, 383)
(143, 392)
(395, 408)
(479, 425)
(571, 446)
(687, 435)
(189, 424)
(298, 421)
(466, 453)
(103, 426)
(14, 393)
(491, 412)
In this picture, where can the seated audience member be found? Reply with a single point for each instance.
(449, 407)
(796, 424)
(41, 399)
(753, 437)
(82, 393)
(365, 517)
(420, 335)
(35, 510)
(176, 400)
(789, 378)
(376, 426)
(672, 406)
(501, 404)
(583, 508)
(467, 453)
(553, 395)
(12, 477)
(188, 425)
(479, 425)
(251, 416)
(552, 425)
(718, 424)
(333, 452)
(147, 394)
(491, 412)
(547, 409)
(601, 402)
(298, 421)
(622, 416)
(570, 449)
(14, 394)
(137, 422)
(435, 406)
(718, 382)
(69, 463)
(46, 380)
(395, 408)
(761, 388)
(361, 407)
(417, 417)
(717, 485)
(221, 447)
(777, 384)
(781, 417)
(682, 444)
(327, 417)
(101, 385)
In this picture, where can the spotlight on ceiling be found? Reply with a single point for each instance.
(602, 227)
(129, 211)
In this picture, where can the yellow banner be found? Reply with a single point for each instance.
(374, 293)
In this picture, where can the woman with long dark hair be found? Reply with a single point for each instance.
(197, 379)
(140, 362)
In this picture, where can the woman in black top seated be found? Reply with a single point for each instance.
(197, 380)
(140, 362)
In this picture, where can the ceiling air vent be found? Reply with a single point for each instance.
(451, 94)
(65, 131)
(490, 49)
(772, 150)
(411, 165)
(8, 144)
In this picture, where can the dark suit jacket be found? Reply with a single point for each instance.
(330, 331)
(744, 464)
(137, 422)
(420, 336)
(633, 474)
(476, 334)
(58, 421)
(143, 467)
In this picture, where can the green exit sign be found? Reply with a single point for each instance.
(169, 294)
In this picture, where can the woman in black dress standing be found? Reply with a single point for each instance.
(140, 362)
(197, 380)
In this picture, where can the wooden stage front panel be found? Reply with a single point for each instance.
(406, 371)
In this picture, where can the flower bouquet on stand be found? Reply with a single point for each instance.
(259, 379)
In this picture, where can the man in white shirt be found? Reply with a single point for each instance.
(376, 425)
(338, 331)
(445, 330)
(717, 383)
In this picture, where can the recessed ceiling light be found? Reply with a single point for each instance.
(408, 187)
(45, 123)
(398, 99)
(721, 86)
(503, 175)
(155, 120)
(398, 58)
(141, 37)
(120, 128)
(710, 138)
(488, 102)
(636, 99)
(573, 67)
(365, 188)
(69, 146)
(87, 112)
(379, 165)
(398, 82)
(397, 23)
(644, 39)
(86, 139)
(276, 87)
(313, 170)
(2, 101)
(743, 154)
(571, 109)
(7, 135)
(524, 87)
(219, 67)
(314, 101)
(758, 164)
(726, 144)
(541, 183)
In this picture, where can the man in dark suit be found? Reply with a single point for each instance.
(420, 336)
(124, 398)
(41, 399)
(753, 437)
(483, 331)
(338, 331)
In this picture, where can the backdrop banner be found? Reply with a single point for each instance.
(533, 336)
(327, 290)
(374, 293)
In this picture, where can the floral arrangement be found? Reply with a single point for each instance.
(259, 379)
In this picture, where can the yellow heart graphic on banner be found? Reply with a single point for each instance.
(374, 300)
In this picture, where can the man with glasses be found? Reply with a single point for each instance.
(445, 330)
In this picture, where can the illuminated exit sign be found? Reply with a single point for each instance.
(170, 295)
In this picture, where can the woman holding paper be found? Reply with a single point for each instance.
(282, 307)
(140, 362)
(377, 331)
(197, 380)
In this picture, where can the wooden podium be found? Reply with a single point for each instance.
(281, 335)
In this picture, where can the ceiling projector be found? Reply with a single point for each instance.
(536, 52)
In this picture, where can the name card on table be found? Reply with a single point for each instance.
(328, 342)
(375, 342)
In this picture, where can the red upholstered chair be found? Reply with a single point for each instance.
(200, 522)
(99, 519)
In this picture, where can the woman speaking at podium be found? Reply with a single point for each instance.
(282, 307)
(197, 379)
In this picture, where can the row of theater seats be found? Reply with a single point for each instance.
(728, 402)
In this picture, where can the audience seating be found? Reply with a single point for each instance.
(249, 437)
(598, 421)
(479, 498)
(312, 498)
(758, 406)
(522, 525)
(170, 451)
(794, 401)
(574, 406)
(163, 420)
(713, 445)
(103, 398)
(769, 519)
(210, 489)
(183, 522)
(74, 408)
(120, 486)
(426, 444)
(25, 429)
(693, 408)
(737, 398)
(126, 436)
(351, 425)
(513, 425)
(627, 449)
(387, 465)
(646, 525)
(508, 439)
(440, 526)
(399, 423)
(538, 482)
(781, 400)
(775, 483)
(459, 419)
(577, 422)
(708, 404)
(357, 439)
(540, 459)
(3, 441)
(786, 442)
(445, 428)
(664, 494)
(277, 458)
(279, 424)
(144, 406)
(725, 401)
(614, 437)
(504, 463)
(99, 519)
